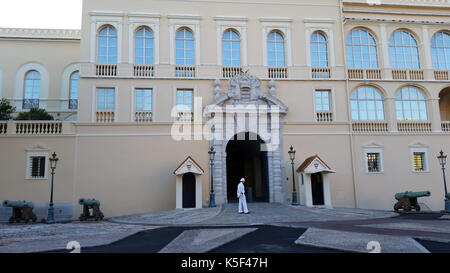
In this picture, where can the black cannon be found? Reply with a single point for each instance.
(21, 211)
(408, 200)
(91, 210)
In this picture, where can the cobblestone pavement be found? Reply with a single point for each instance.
(42, 237)
(260, 213)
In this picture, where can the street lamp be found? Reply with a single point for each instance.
(443, 161)
(51, 214)
(294, 191)
(212, 153)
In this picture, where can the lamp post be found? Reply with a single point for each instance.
(51, 214)
(212, 153)
(443, 161)
(294, 191)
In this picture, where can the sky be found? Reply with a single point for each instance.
(60, 14)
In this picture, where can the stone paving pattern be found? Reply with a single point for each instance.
(42, 237)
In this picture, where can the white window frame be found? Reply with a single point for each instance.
(332, 100)
(196, 101)
(94, 100)
(20, 85)
(177, 22)
(374, 151)
(133, 99)
(320, 25)
(29, 166)
(277, 24)
(137, 20)
(100, 19)
(239, 24)
(425, 152)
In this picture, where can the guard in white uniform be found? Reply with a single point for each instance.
(241, 195)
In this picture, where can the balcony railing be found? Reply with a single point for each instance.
(104, 116)
(185, 116)
(3, 127)
(143, 116)
(30, 103)
(441, 75)
(38, 127)
(185, 71)
(370, 126)
(369, 74)
(231, 71)
(446, 126)
(321, 73)
(277, 73)
(414, 126)
(144, 71)
(405, 74)
(324, 116)
(106, 70)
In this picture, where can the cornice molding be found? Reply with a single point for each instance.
(144, 15)
(396, 21)
(107, 13)
(275, 19)
(28, 33)
(184, 16)
(230, 18)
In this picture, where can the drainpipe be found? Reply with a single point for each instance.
(343, 21)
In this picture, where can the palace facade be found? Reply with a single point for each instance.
(360, 90)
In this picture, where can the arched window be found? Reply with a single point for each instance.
(367, 104)
(404, 51)
(32, 90)
(107, 45)
(319, 50)
(410, 104)
(73, 91)
(361, 49)
(275, 49)
(440, 49)
(231, 48)
(144, 47)
(184, 47)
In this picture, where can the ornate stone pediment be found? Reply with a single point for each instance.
(246, 89)
(189, 165)
(314, 164)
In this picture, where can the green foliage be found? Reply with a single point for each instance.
(35, 114)
(6, 109)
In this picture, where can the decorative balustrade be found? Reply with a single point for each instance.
(106, 70)
(414, 126)
(404, 74)
(370, 74)
(104, 116)
(231, 71)
(441, 75)
(446, 126)
(321, 73)
(185, 116)
(185, 71)
(277, 72)
(143, 116)
(3, 127)
(370, 126)
(324, 116)
(38, 127)
(144, 71)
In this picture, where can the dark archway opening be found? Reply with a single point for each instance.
(246, 159)
(188, 191)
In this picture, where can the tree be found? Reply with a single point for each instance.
(6, 109)
(35, 114)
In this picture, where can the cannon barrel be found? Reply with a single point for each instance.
(17, 204)
(412, 194)
(88, 202)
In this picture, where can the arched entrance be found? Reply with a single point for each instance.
(188, 191)
(246, 159)
(444, 104)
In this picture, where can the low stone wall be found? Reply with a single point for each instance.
(63, 212)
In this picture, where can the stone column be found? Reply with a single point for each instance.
(435, 117)
(387, 70)
(390, 113)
